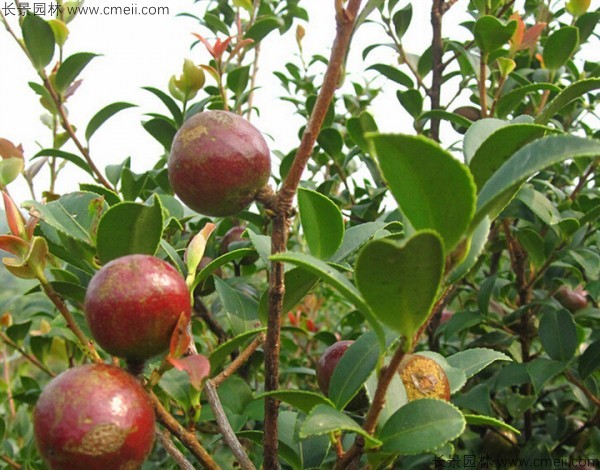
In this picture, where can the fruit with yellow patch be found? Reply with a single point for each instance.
(423, 378)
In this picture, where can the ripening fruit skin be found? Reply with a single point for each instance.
(218, 162)
(234, 235)
(132, 306)
(423, 378)
(327, 364)
(572, 299)
(94, 417)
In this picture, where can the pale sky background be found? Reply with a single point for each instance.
(146, 50)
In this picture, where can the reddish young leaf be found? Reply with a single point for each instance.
(180, 338)
(14, 245)
(10, 150)
(197, 367)
(15, 219)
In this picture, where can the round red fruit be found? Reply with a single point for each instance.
(94, 417)
(133, 304)
(218, 162)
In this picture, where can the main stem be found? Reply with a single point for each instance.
(281, 206)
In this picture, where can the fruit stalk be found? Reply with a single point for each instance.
(281, 206)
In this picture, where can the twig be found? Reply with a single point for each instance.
(584, 179)
(581, 386)
(387, 374)
(34, 360)
(345, 24)
(10, 462)
(253, 76)
(437, 49)
(482, 87)
(173, 451)
(86, 343)
(226, 431)
(238, 361)
(6, 376)
(187, 438)
(448, 5)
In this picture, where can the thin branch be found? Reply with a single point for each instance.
(238, 362)
(581, 386)
(345, 18)
(187, 438)
(34, 360)
(584, 179)
(437, 50)
(173, 451)
(448, 5)
(226, 431)
(10, 462)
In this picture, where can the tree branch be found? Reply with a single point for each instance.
(173, 451)
(34, 360)
(345, 18)
(437, 50)
(238, 362)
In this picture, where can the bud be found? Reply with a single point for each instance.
(191, 80)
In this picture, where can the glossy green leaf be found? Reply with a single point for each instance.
(355, 237)
(478, 133)
(324, 419)
(237, 79)
(394, 74)
(298, 283)
(541, 206)
(220, 354)
(262, 27)
(412, 101)
(509, 101)
(499, 147)
(359, 126)
(129, 228)
(162, 130)
(400, 280)
(353, 369)
(433, 189)
(337, 280)
(421, 426)
(488, 421)
(534, 157)
(39, 40)
(477, 243)
(285, 451)
(322, 223)
(331, 141)
(566, 96)
(172, 106)
(303, 400)
(541, 370)
(589, 361)
(472, 361)
(587, 25)
(71, 157)
(70, 69)
(558, 334)
(491, 33)
(560, 47)
(220, 261)
(237, 304)
(103, 115)
(401, 20)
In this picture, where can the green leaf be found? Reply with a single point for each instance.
(560, 47)
(10, 168)
(219, 355)
(353, 369)
(454, 118)
(71, 157)
(499, 147)
(322, 223)
(70, 69)
(237, 79)
(540, 205)
(488, 421)
(284, 451)
(394, 74)
(337, 280)
(39, 40)
(421, 426)
(129, 228)
(237, 304)
(472, 361)
(566, 96)
(359, 126)
(542, 369)
(508, 102)
(477, 242)
(433, 189)
(534, 157)
(103, 115)
(558, 334)
(331, 141)
(162, 130)
(491, 34)
(262, 27)
(324, 419)
(478, 133)
(589, 361)
(402, 19)
(412, 101)
(168, 102)
(355, 237)
(220, 261)
(301, 399)
(400, 281)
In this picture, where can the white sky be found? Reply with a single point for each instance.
(146, 50)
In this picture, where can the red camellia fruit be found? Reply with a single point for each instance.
(94, 417)
(132, 306)
(218, 162)
(572, 299)
(234, 236)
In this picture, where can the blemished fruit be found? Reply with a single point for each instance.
(327, 364)
(234, 236)
(572, 299)
(218, 162)
(423, 378)
(132, 306)
(500, 444)
(94, 417)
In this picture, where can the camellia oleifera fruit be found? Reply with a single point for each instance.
(423, 378)
(133, 304)
(218, 162)
(233, 239)
(94, 417)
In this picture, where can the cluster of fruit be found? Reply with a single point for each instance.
(98, 416)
